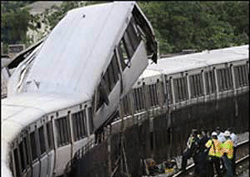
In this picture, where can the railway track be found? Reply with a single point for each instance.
(242, 156)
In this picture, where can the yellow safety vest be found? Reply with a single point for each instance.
(215, 149)
(227, 147)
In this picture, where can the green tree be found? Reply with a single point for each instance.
(14, 22)
(14, 25)
(197, 25)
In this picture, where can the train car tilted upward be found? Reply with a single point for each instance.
(70, 85)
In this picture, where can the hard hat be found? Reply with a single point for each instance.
(214, 134)
(227, 133)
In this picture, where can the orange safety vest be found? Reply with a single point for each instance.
(215, 149)
(227, 147)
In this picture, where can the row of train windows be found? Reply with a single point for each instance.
(29, 149)
(126, 105)
(126, 48)
(140, 98)
(128, 44)
(63, 131)
(242, 73)
(225, 82)
(79, 123)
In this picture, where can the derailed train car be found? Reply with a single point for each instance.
(70, 85)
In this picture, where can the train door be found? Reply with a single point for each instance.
(196, 85)
(34, 148)
(42, 147)
(179, 89)
(50, 141)
(79, 127)
(224, 80)
(61, 128)
(210, 83)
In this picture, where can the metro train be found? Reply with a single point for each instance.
(172, 93)
(179, 81)
(70, 84)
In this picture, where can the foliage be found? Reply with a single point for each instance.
(14, 25)
(198, 25)
(178, 25)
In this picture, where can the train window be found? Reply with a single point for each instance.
(22, 156)
(11, 165)
(241, 74)
(25, 143)
(79, 124)
(128, 44)
(108, 82)
(115, 68)
(50, 135)
(63, 133)
(132, 33)
(125, 103)
(153, 95)
(91, 123)
(42, 140)
(180, 89)
(210, 82)
(123, 52)
(33, 146)
(169, 91)
(101, 95)
(225, 79)
(16, 159)
(120, 52)
(111, 77)
(196, 85)
(139, 98)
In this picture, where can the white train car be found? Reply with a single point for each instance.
(70, 85)
(183, 80)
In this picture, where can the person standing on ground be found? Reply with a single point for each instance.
(214, 155)
(202, 162)
(221, 139)
(220, 135)
(227, 149)
(234, 138)
(192, 144)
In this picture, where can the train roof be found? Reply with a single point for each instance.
(78, 50)
(187, 62)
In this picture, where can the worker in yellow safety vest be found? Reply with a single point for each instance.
(227, 151)
(214, 155)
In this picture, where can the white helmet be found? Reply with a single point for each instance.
(214, 134)
(227, 133)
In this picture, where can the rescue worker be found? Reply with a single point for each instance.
(234, 138)
(221, 138)
(190, 151)
(227, 150)
(220, 135)
(202, 162)
(214, 154)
